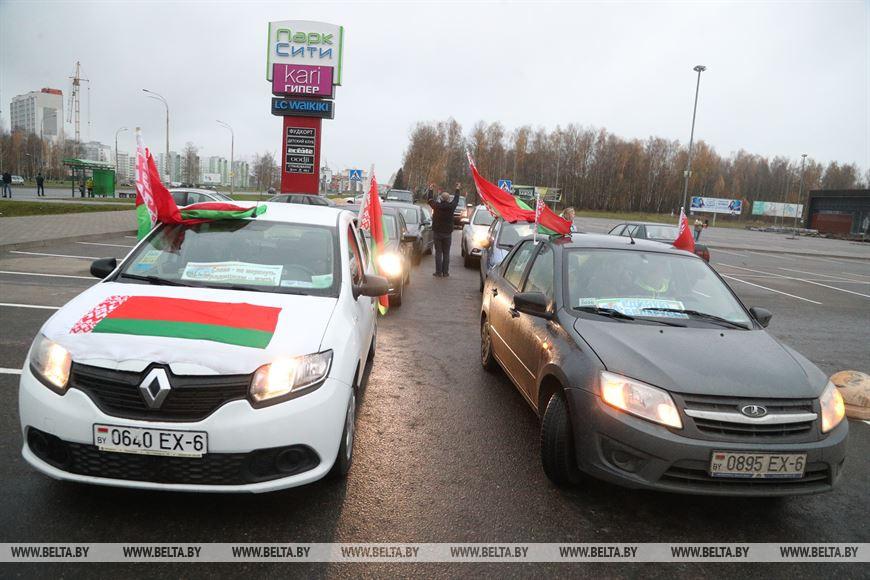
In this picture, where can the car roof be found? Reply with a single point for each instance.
(646, 224)
(318, 215)
(604, 241)
(194, 190)
(392, 210)
(405, 204)
(305, 194)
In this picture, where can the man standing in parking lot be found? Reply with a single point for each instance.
(7, 184)
(442, 229)
(40, 185)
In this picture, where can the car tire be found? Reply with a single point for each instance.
(557, 443)
(429, 250)
(487, 360)
(396, 299)
(464, 253)
(469, 261)
(344, 457)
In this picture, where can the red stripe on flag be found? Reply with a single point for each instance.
(234, 314)
(102, 429)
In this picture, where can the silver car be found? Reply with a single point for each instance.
(501, 237)
(474, 233)
(187, 196)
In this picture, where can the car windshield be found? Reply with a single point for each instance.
(461, 203)
(239, 254)
(648, 284)
(398, 195)
(662, 232)
(512, 233)
(410, 214)
(482, 217)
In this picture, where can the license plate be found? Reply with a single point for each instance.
(150, 441)
(758, 465)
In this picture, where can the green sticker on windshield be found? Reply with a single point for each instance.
(321, 281)
(638, 306)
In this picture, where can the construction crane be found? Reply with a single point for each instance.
(75, 104)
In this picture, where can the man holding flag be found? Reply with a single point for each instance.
(442, 229)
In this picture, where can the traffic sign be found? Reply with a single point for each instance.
(505, 184)
(355, 174)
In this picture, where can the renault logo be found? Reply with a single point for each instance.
(754, 411)
(154, 388)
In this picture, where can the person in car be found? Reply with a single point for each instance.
(442, 229)
(652, 281)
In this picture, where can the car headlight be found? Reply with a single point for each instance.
(833, 407)
(639, 399)
(286, 376)
(390, 264)
(478, 238)
(50, 362)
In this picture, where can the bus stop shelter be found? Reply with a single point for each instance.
(101, 172)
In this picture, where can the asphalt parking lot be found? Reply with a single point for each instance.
(445, 451)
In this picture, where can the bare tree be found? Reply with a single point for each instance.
(190, 163)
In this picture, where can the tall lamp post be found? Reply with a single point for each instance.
(232, 147)
(116, 150)
(699, 69)
(800, 195)
(153, 95)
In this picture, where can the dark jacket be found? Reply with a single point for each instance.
(40, 180)
(442, 213)
(7, 178)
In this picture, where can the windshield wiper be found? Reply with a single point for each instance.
(703, 315)
(153, 280)
(609, 312)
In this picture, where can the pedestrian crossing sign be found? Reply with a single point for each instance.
(355, 174)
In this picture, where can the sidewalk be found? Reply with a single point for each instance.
(31, 229)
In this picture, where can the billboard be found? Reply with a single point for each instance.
(776, 209)
(304, 42)
(302, 80)
(716, 205)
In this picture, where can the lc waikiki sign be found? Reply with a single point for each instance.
(303, 42)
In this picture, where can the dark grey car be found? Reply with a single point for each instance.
(419, 224)
(647, 371)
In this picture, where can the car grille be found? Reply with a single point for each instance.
(732, 429)
(190, 398)
(210, 469)
(685, 475)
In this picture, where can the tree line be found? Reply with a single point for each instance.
(599, 170)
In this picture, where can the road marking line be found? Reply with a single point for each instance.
(131, 237)
(13, 305)
(853, 274)
(768, 255)
(101, 244)
(800, 280)
(774, 276)
(53, 255)
(824, 259)
(4, 371)
(56, 275)
(730, 252)
(771, 289)
(836, 278)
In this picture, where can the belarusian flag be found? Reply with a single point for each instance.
(371, 219)
(513, 209)
(154, 203)
(235, 323)
(684, 240)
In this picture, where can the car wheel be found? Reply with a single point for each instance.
(396, 300)
(557, 443)
(344, 459)
(468, 261)
(462, 246)
(429, 249)
(487, 360)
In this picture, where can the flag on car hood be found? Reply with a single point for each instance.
(513, 209)
(684, 240)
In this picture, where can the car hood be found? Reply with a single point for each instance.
(270, 325)
(413, 228)
(703, 361)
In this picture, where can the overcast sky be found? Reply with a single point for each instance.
(783, 78)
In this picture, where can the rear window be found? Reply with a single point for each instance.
(482, 217)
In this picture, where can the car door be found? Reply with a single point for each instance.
(502, 317)
(363, 307)
(425, 228)
(486, 254)
(531, 333)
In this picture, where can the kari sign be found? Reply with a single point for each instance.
(302, 80)
(303, 108)
(307, 43)
(716, 205)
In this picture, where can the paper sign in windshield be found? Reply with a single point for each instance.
(638, 306)
(233, 273)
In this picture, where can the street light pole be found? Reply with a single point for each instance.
(699, 69)
(232, 147)
(800, 195)
(116, 150)
(160, 98)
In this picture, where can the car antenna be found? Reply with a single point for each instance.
(630, 237)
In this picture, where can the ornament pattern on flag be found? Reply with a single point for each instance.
(97, 313)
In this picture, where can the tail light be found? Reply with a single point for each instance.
(704, 253)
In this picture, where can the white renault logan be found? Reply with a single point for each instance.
(224, 356)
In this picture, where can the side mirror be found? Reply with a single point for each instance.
(762, 315)
(408, 238)
(533, 304)
(464, 221)
(103, 267)
(372, 286)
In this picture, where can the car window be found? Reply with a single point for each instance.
(411, 214)
(241, 254)
(194, 197)
(354, 258)
(541, 274)
(317, 200)
(482, 217)
(630, 229)
(617, 231)
(510, 234)
(180, 197)
(662, 232)
(514, 270)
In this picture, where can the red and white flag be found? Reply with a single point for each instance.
(371, 220)
(685, 240)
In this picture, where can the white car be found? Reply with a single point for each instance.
(190, 196)
(474, 234)
(17, 180)
(223, 356)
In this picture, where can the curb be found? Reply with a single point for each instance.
(774, 252)
(43, 243)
